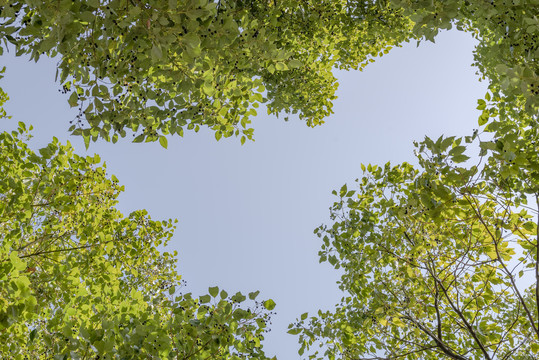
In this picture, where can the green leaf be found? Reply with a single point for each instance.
(238, 297)
(208, 89)
(501, 68)
(460, 158)
(343, 191)
(281, 66)
(32, 336)
(293, 64)
(191, 40)
(156, 52)
(163, 141)
(457, 150)
(483, 118)
(73, 99)
(481, 104)
(86, 138)
(269, 304)
(214, 291)
(138, 138)
(488, 145)
(18, 263)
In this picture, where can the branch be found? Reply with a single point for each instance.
(463, 318)
(438, 317)
(440, 344)
(399, 356)
(62, 250)
(507, 333)
(507, 272)
(516, 348)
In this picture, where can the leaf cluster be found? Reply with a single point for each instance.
(434, 261)
(79, 280)
(157, 68)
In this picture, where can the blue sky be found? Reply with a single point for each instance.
(247, 213)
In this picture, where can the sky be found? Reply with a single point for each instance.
(247, 213)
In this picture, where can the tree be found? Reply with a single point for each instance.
(80, 280)
(435, 258)
(159, 67)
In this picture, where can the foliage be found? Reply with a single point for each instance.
(161, 66)
(3, 97)
(433, 256)
(79, 280)
(435, 259)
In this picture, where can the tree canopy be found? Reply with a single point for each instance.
(435, 256)
(80, 280)
(159, 67)
(437, 259)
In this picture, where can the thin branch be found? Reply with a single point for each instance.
(62, 250)
(399, 356)
(507, 356)
(440, 344)
(508, 331)
(507, 272)
(438, 316)
(462, 317)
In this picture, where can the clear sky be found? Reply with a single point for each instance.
(247, 213)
